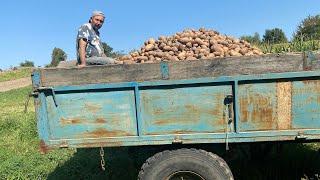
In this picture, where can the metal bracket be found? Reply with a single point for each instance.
(177, 140)
(301, 136)
(308, 59)
(37, 90)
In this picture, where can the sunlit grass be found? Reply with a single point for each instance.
(15, 74)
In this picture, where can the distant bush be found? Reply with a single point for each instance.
(273, 36)
(27, 63)
(255, 39)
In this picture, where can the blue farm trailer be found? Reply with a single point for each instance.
(229, 100)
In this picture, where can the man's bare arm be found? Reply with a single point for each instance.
(82, 51)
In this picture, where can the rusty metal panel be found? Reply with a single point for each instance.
(92, 114)
(183, 110)
(265, 106)
(306, 104)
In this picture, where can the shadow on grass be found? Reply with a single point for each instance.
(276, 161)
(85, 164)
(258, 161)
(122, 163)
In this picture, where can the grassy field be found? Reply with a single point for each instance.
(16, 74)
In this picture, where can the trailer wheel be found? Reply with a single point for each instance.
(186, 164)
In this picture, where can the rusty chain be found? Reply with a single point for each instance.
(102, 162)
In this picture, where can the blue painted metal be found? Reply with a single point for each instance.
(184, 110)
(189, 138)
(92, 114)
(306, 104)
(258, 106)
(42, 117)
(36, 81)
(164, 68)
(138, 109)
(236, 107)
(190, 110)
(311, 56)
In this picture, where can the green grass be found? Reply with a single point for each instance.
(16, 74)
(21, 159)
(19, 149)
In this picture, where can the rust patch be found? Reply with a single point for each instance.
(64, 144)
(164, 121)
(244, 109)
(257, 109)
(311, 86)
(73, 121)
(189, 132)
(100, 132)
(208, 112)
(64, 121)
(37, 103)
(94, 108)
(180, 132)
(101, 144)
(179, 120)
(43, 147)
(284, 105)
(100, 120)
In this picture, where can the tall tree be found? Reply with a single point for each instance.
(255, 39)
(107, 49)
(57, 56)
(309, 28)
(273, 36)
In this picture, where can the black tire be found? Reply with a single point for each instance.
(192, 162)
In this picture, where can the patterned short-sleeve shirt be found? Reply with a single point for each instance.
(94, 46)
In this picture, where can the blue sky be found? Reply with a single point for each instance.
(31, 29)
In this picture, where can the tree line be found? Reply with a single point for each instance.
(308, 29)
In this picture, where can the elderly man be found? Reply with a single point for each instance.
(89, 47)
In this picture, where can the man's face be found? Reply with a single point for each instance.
(97, 21)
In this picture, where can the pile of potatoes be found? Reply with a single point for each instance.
(190, 45)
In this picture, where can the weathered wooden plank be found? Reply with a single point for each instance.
(100, 74)
(179, 70)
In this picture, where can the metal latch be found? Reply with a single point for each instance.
(228, 100)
